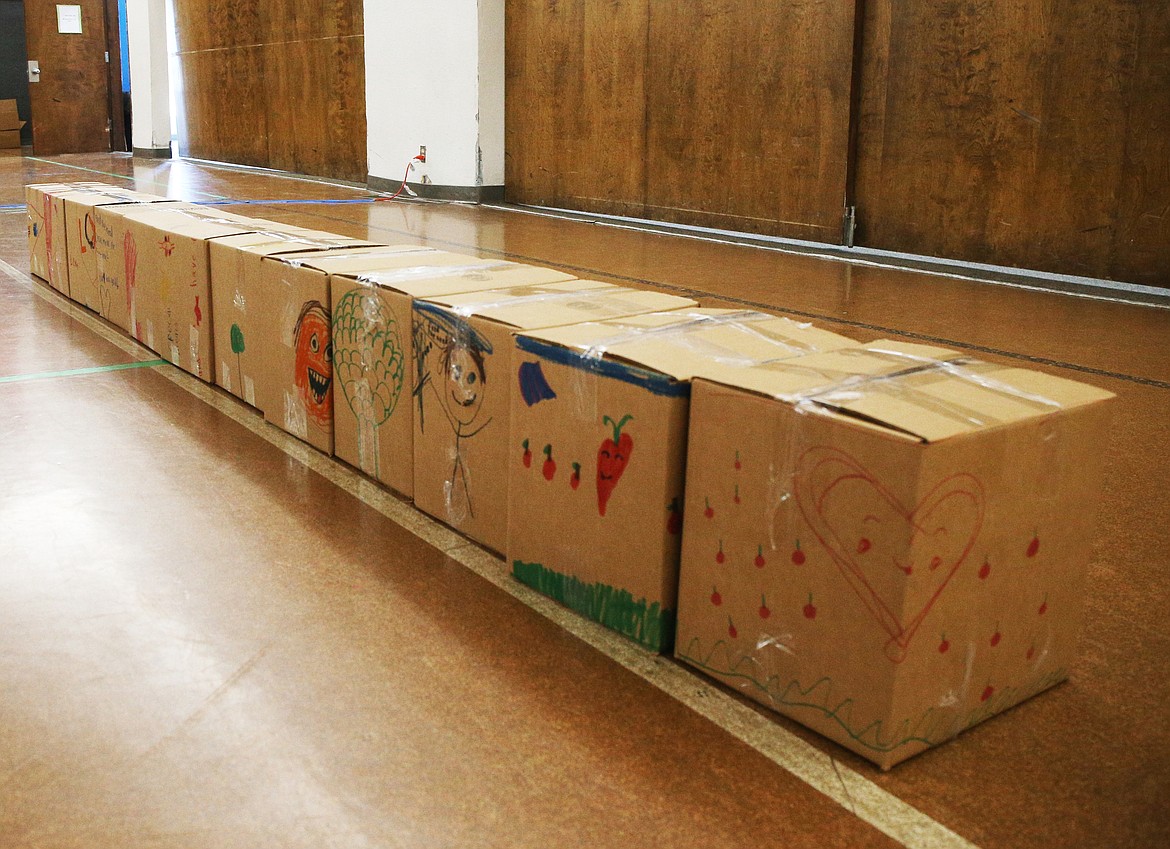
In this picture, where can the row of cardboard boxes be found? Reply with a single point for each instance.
(886, 542)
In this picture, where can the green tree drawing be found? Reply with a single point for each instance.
(237, 349)
(368, 364)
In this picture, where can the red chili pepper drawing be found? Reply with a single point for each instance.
(526, 457)
(575, 478)
(549, 469)
(612, 458)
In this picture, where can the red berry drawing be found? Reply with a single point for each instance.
(995, 638)
(945, 645)
(527, 458)
(810, 610)
(1043, 606)
(1033, 546)
(674, 521)
(719, 555)
(575, 478)
(987, 691)
(738, 465)
(864, 545)
(716, 599)
(1030, 653)
(984, 570)
(731, 632)
(709, 511)
(550, 465)
(612, 458)
(764, 611)
(935, 562)
(759, 561)
(798, 555)
(736, 496)
(908, 569)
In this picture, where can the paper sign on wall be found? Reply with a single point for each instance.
(68, 19)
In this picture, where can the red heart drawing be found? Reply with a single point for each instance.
(897, 559)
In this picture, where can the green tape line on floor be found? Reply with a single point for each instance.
(73, 372)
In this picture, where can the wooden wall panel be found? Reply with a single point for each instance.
(1029, 133)
(279, 85)
(749, 114)
(716, 112)
(575, 108)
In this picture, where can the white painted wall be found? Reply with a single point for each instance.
(146, 34)
(435, 77)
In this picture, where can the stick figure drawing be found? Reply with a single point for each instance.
(449, 359)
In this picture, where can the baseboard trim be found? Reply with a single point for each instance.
(433, 191)
(152, 152)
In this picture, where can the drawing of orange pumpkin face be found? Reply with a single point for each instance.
(314, 362)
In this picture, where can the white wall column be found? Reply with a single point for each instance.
(146, 36)
(435, 77)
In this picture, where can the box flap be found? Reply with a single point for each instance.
(191, 220)
(108, 195)
(359, 258)
(565, 302)
(445, 273)
(925, 392)
(272, 238)
(692, 342)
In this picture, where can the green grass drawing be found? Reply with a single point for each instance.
(645, 623)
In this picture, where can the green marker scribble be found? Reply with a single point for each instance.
(931, 728)
(645, 623)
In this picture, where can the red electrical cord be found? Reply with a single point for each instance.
(420, 158)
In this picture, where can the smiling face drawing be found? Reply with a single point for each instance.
(462, 390)
(314, 362)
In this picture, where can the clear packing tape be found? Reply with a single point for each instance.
(392, 276)
(692, 323)
(920, 382)
(359, 252)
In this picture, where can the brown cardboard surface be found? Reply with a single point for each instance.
(96, 256)
(167, 272)
(373, 355)
(295, 383)
(47, 245)
(235, 290)
(9, 138)
(9, 118)
(883, 587)
(463, 347)
(603, 534)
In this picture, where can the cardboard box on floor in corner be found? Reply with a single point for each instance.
(373, 353)
(236, 296)
(10, 124)
(597, 454)
(463, 354)
(889, 543)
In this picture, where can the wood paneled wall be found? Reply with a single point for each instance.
(279, 84)
(1030, 133)
(728, 114)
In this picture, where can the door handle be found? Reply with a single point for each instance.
(34, 71)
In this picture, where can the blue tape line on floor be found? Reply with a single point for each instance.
(73, 372)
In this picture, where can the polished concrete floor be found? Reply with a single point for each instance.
(212, 637)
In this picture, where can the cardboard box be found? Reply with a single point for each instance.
(236, 289)
(47, 242)
(597, 452)
(888, 544)
(373, 354)
(166, 272)
(463, 355)
(10, 124)
(295, 385)
(96, 259)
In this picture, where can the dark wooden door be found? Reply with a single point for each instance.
(70, 99)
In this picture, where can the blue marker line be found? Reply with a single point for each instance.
(655, 382)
